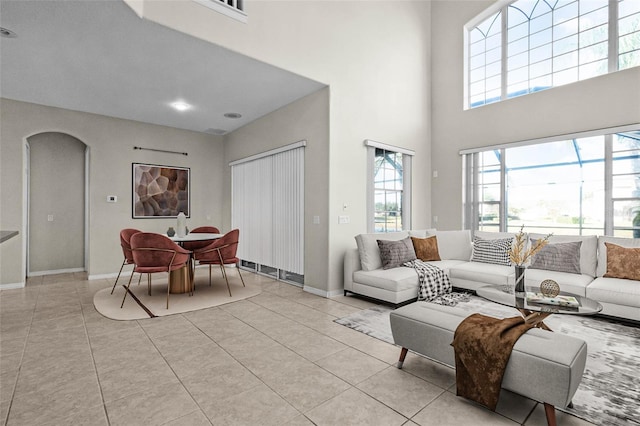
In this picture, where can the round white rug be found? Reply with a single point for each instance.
(156, 305)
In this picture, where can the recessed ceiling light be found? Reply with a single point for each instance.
(181, 106)
(7, 33)
(233, 115)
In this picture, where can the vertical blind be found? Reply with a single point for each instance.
(268, 208)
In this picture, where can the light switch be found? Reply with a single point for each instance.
(316, 220)
(50, 218)
(343, 219)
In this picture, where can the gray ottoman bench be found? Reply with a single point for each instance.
(544, 366)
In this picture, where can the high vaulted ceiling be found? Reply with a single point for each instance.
(100, 57)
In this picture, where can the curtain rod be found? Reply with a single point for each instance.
(160, 150)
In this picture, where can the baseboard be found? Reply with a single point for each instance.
(54, 272)
(12, 286)
(323, 293)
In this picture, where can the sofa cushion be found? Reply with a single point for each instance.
(486, 235)
(494, 251)
(483, 272)
(422, 233)
(572, 283)
(588, 249)
(368, 248)
(395, 253)
(454, 245)
(396, 279)
(602, 250)
(616, 291)
(426, 248)
(561, 257)
(622, 262)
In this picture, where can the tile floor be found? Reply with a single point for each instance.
(275, 359)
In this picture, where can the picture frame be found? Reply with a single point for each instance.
(160, 191)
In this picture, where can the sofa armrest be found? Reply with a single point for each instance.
(351, 265)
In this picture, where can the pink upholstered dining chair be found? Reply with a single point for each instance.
(221, 252)
(195, 245)
(125, 236)
(155, 253)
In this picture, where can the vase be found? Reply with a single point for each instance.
(520, 279)
(181, 229)
(171, 232)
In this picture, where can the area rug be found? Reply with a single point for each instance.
(609, 393)
(155, 305)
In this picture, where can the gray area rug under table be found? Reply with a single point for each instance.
(609, 393)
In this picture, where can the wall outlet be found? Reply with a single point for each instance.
(50, 218)
(316, 220)
(343, 219)
(112, 198)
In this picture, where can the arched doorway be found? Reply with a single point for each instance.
(56, 204)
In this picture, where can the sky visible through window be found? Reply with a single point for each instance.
(549, 43)
(562, 185)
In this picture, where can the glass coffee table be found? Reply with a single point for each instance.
(535, 313)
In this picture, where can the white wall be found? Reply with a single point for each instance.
(606, 101)
(375, 58)
(111, 142)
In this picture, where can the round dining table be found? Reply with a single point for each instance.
(181, 280)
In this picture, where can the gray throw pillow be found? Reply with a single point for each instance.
(395, 253)
(559, 257)
(494, 251)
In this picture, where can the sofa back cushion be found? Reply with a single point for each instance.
(602, 250)
(368, 247)
(454, 245)
(588, 249)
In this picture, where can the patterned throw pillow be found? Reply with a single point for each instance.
(559, 257)
(623, 262)
(426, 248)
(395, 253)
(494, 251)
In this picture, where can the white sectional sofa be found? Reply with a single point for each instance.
(364, 274)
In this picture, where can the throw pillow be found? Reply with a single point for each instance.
(559, 257)
(623, 262)
(426, 248)
(494, 251)
(395, 253)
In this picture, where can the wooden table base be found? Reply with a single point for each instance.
(180, 280)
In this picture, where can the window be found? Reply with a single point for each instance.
(231, 8)
(532, 45)
(584, 185)
(389, 186)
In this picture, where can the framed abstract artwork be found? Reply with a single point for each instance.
(160, 191)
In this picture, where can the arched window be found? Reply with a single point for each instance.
(530, 45)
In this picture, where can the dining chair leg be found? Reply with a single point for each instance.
(241, 279)
(118, 277)
(224, 274)
(149, 283)
(168, 289)
(209, 275)
(126, 289)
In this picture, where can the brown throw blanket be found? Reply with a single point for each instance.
(482, 347)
